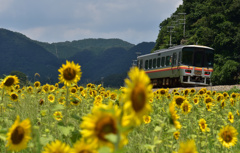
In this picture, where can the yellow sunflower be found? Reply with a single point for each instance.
(176, 135)
(10, 81)
(174, 116)
(178, 100)
(228, 136)
(208, 100)
(70, 73)
(73, 90)
(19, 135)
(146, 119)
(231, 117)
(138, 93)
(188, 147)
(196, 100)
(82, 147)
(57, 147)
(102, 121)
(75, 100)
(58, 115)
(203, 125)
(14, 96)
(45, 88)
(98, 100)
(186, 107)
(51, 98)
(37, 84)
(52, 88)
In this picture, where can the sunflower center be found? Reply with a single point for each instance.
(14, 96)
(85, 151)
(203, 125)
(208, 100)
(179, 101)
(185, 108)
(227, 136)
(17, 135)
(138, 97)
(195, 101)
(163, 92)
(9, 82)
(69, 73)
(105, 126)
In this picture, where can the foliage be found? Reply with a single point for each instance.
(211, 23)
(21, 76)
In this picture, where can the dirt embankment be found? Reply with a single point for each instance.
(212, 88)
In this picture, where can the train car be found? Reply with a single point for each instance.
(183, 65)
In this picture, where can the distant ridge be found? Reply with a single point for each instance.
(98, 57)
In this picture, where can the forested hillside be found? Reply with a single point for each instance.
(211, 23)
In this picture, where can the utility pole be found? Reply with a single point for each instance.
(170, 31)
(183, 22)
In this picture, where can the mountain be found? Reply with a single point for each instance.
(98, 57)
(19, 53)
(67, 49)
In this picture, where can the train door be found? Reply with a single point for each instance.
(174, 64)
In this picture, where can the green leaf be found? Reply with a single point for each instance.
(104, 150)
(46, 140)
(58, 107)
(157, 128)
(3, 137)
(111, 137)
(66, 130)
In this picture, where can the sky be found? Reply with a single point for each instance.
(134, 21)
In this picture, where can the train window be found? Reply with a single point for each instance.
(141, 64)
(168, 60)
(187, 56)
(146, 64)
(150, 64)
(154, 63)
(163, 61)
(174, 60)
(179, 57)
(158, 62)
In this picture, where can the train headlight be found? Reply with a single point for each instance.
(188, 71)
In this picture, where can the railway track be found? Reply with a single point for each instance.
(212, 88)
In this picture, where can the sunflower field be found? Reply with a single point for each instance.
(133, 119)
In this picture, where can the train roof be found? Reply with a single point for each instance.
(174, 48)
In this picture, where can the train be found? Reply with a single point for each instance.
(182, 65)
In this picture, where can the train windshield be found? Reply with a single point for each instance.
(199, 57)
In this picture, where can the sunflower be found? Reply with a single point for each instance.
(51, 98)
(19, 135)
(232, 101)
(208, 99)
(228, 136)
(174, 116)
(192, 91)
(37, 84)
(45, 88)
(14, 96)
(98, 100)
(233, 95)
(176, 135)
(209, 105)
(195, 100)
(231, 117)
(113, 96)
(102, 121)
(81, 88)
(146, 119)
(188, 147)
(17, 86)
(138, 93)
(10, 81)
(75, 100)
(203, 125)
(29, 89)
(41, 102)
(61, 100)
(52, 88)
(162, 92)
(73, 90)
(58, 115)
(57, 147)
(178, 100)
(186, 92)
(56, 85)
(201, 92)
(69, 73)
(186, 107)
(225, 95)
(82, 147)
(223, 103)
